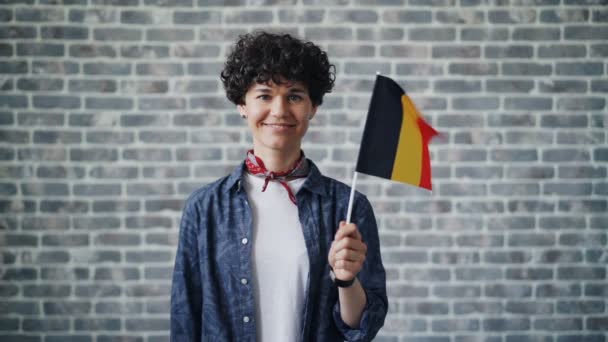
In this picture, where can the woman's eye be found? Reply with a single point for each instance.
(295, 98)
(263, 97)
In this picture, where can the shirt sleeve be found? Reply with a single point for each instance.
(186, 292)
(372, 277)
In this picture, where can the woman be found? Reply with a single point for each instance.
(263, 254)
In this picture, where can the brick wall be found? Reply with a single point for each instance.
(111, 113)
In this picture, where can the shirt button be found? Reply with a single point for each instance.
(244, 241)
(246, 319)
(244, 281)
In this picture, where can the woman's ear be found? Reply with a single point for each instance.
(241, 109)
(313, 112)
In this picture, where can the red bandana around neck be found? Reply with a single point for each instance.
(256, 167)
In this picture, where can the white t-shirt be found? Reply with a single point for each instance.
(280, 259)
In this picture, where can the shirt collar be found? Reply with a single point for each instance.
(314, 181)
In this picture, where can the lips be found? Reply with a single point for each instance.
(278, 125)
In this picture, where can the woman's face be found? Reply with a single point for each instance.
(278, 115)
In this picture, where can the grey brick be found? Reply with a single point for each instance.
(20, 338)
(478, 274)
(202, 17)
(584, 206)
(6, 15)
(581, 307)
(19, 307)
(466, 51)
(581, 338)
(586, 32)
(13, 67)
(528, 103)
(117, 34)
(14, 137)
(536, 273)
(116, 274)
(6, 50)
(565, 155)
(528, 206)
(93, 154)
(473, 69)
(519, 69)
(510, 51)
(107, 69)
(40, 50)
(563, 86)
(40, 84)
(46, 290)
(339, 16)
(60, 172)
(45, 325)
(66, 307)
(558, 324)
(514, 155)
(398, 51)
(94, 324)
(248, 17)
(115, 206)
(580, 69)
(562, 51)
(64, 273)
(12, 101)
(558, 290)
(407, 16)
(17, 32)
(570, 121)
(531, 239)
(459, 17)
(455, 258)
(177, 3)
(597, 323)
(8, 324)
(564, 15)
(536, 34)
(502, 324)
(581, 273)
(434, 34)
(54, 67)
(54, 137)
(170, 35)
(144, 51)
(424, 69)
(392, 34)
(484, 34)
(529, 338)
(64, 32)
(71, 240)
(581, 103)
(196, 51)
(598, 50)
(487, 307)
(457, 86)
(455, 324)
(204, 69)
(93, 86)
(513, 16)
(118, 307)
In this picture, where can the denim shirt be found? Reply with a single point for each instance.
(211, 296)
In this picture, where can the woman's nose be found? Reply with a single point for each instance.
(279, 107)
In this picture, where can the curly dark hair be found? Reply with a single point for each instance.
(263, 56)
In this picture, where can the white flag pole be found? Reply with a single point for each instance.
(352, 196)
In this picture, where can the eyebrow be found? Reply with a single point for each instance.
(291, 90)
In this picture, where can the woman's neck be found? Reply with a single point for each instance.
(278, 161)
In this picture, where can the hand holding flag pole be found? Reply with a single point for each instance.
(395, 139)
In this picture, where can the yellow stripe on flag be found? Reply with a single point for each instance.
(408, 159)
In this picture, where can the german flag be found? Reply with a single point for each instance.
(395, 139)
